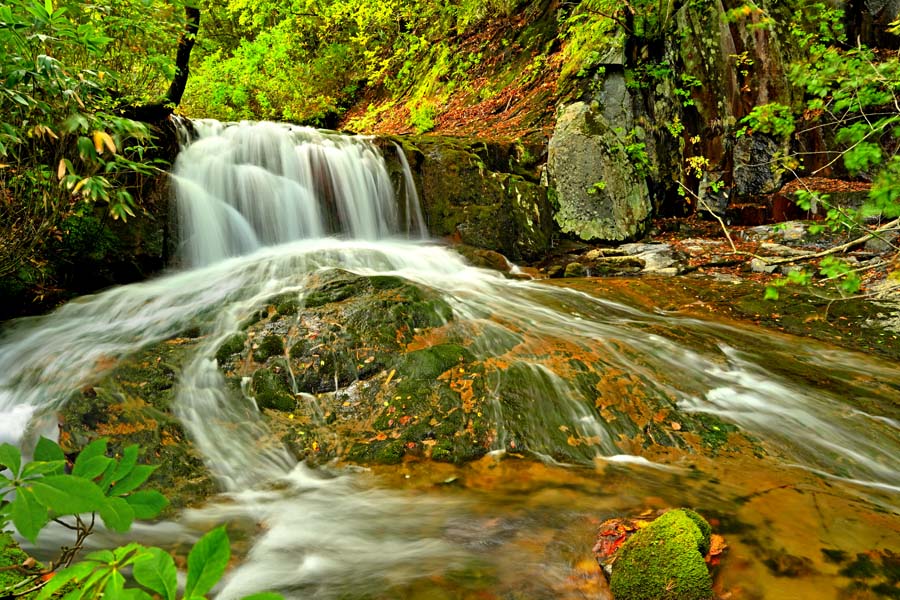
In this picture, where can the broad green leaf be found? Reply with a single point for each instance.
(137, 476)
(156, 571)
(126, 463)
(207, 561)
(95, 448)
(115, 585)
(27, 514)
(67, 494)
(147, 504)
(264, 596)
(117, 514)
(75, 573)
(121, 553)
(134, 594)
(48, 450)
(92, 467)
(102, 556)
(11, 458)
(43, 468)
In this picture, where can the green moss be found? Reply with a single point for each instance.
(230, 347)
(10, 555)
(271, 391)
(663, 561)
(271, 345)
(442, 451)
(429, 363)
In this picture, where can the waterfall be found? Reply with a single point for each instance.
(241, 186)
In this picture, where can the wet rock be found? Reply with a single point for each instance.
(574, 269)
(132, 404)
(770, 249)
(599, 194)
(754, 166)
(885, 242)
(351, 388)
(758, 265)
(484, 194)
(789, 231)
(658, 259)
(664, 560)
(486, 259)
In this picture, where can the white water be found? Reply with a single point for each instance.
(332, 534)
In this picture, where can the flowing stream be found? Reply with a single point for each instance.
(262, 207)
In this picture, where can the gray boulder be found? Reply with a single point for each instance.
(599, 194)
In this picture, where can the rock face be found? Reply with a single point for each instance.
(485, 194)
(600, 194)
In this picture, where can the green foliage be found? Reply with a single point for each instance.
(421, 117)
(45, 490)
(773, 118)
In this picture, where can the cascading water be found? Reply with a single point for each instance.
(240, 187)
(256, 203)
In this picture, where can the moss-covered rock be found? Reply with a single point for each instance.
(131, 404)
(484, 194)
(231, 346)
(270, 345)
(271, 389)
(12, 557)
(664, 561)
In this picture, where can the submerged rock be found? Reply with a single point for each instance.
(355, 384)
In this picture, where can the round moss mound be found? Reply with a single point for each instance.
(663, 561)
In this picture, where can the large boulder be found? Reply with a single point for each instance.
(600, 194)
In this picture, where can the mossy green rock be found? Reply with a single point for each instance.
(664, 561)
(131, 404)
(12, 555)
(271, 390)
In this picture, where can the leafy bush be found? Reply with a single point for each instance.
(50, 488)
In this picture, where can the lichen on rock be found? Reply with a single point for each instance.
(600, 194)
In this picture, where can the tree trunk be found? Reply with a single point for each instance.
(183, 57)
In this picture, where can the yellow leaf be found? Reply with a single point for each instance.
(101, 140)
(61, 169)
(98, 142)
(79, 185)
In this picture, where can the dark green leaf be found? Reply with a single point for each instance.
(156, 572)
(43, 468)
(114, 585)
(126, 463)
(207, 562)
(137, 476)
(102, 556)
(117, 514)
(75, 574)
(48, 450)
(147, 504)
(95, 448)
